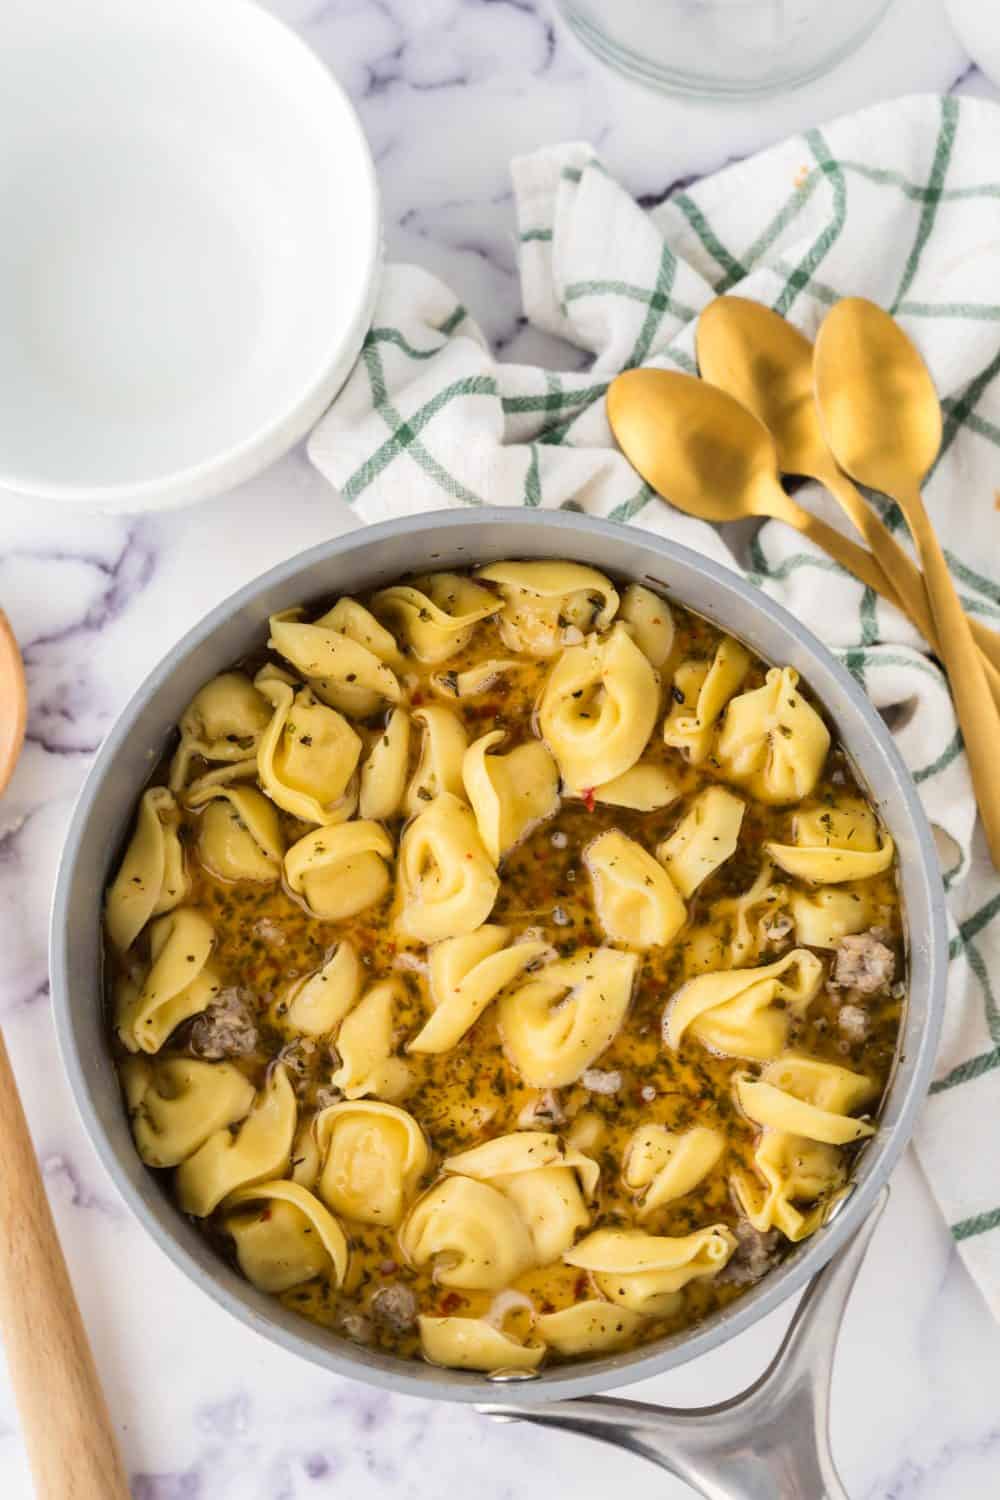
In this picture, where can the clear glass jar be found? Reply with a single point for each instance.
(722, 48)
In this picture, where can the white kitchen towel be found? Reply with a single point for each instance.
(900, 204)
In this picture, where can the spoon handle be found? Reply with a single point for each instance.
(977, 713)
(67, 1430)
(905, 577)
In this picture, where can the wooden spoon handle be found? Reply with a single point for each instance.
(859, 561)
(70, 1442)
(977, 714)
(899, 567)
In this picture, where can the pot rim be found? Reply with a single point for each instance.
(909, 1081)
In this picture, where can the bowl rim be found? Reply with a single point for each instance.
(581, 1378)
(247, 456)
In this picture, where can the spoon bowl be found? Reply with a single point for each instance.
(766, 364)
(695, 445)
(878, 405)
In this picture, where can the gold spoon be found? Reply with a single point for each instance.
(67, 1429)
(882, 419)
(710, 457)
(767, 364)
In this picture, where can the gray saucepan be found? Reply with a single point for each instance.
(372, 557)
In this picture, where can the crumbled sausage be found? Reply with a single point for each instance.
(270, 932)
(226, 1029)
(864, 962)
(544, 1109)
(598, 1081)
(776, 928)
(753, 1257)
(357, 1327)
(395, 1307)
(300, 1059)
(853, 1022)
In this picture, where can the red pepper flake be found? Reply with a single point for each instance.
(588, 798)
(416, 699)
(388, 1268)
(265, 1214)
(451, 1303)
(581, 1286)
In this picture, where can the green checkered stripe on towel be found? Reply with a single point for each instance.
(900, 204)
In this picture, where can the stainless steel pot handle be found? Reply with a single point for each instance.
(770, 1442)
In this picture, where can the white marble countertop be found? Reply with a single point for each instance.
(448, 90)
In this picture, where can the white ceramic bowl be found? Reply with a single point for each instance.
(189, 252)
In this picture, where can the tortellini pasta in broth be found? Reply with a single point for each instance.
(437, 614)
(386, 991)
(373, 1156)
(223, 722)
(773, 742)
(284, 1236)
(598, 709)
(744, 1012)
(548, 605)
(152, 878)
(636, 900)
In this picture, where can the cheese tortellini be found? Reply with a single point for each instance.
(466, 974)
(554, 1026)
(805, 1096)
(824, 916)
(661, 1165)
(511, 793)
(475, 1344)
(636, 899)
(835, 844)
(744, 1012)
(773, 742)
(549, 1184)
(651, 621)
(344, 656)
(307, 756)
(384, 771)
(436, 615)
(645, 1272)
(701, 689)
(442, 752)
(176, 1103)
(391, 932)
(598, 709)
(373, 1156)
(704, 839)
(342, 870)
(316, 1004)
(152, 878)
(590, 1327)
(799, 1177)
(470, 1234)
(447, 883)
(223, 722)
(284, 1236)
(366, 1047)
(548, 605)
(260, 1149)
(239, 837)
(178, 984)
